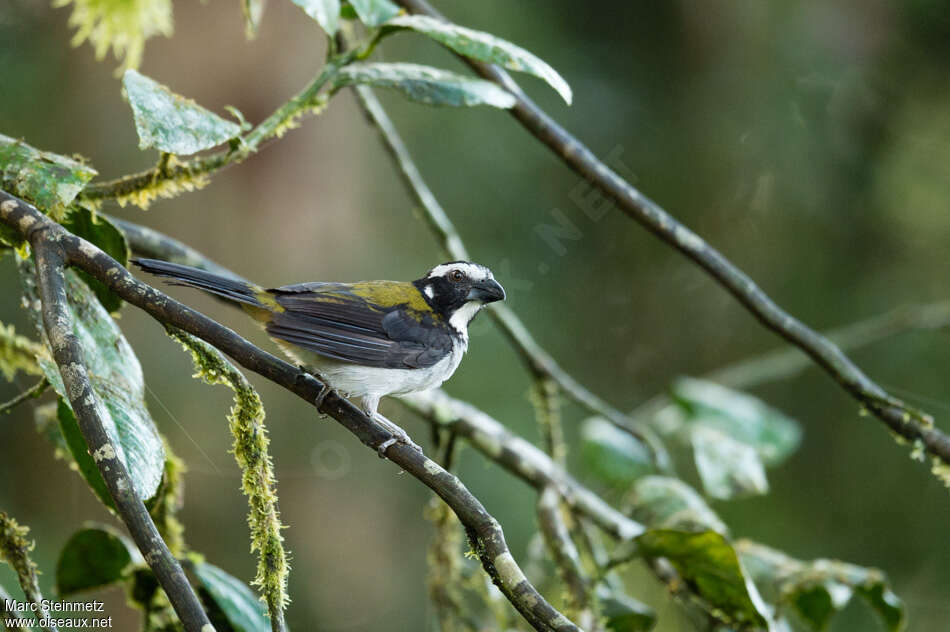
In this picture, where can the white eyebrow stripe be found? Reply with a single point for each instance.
(473, 271)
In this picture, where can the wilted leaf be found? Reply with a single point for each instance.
(623, 613)
(122, 25)
(664, 502)
(374, 12)
(484, 47)
(728, 468)
(48, 180)
(813, 592)
(172, 123)
(707, 562)
(99, 231)
(426, 84)
(116, 378)
(242, 610)
(612, 454)
(739, 415)
(94, 557)
(325, 12)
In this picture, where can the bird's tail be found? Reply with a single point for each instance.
(230, 289)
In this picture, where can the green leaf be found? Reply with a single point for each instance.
(739, 415)
(813, 592)
(102, 233)
(48, 180)
(612, 454)
(707, 562)
(253, 10)
(94, 557)
(374, 12)
(76, 444)
(661, 501)
(426, 84)
(242, 610)
(623, 613)
(325, 12)
(484, 47)
(116, 378)
(172, 123)
(728, 468)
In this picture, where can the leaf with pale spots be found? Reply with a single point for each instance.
(811, 593)
(483, 47)
(425, 84)
(231, 604)
(116, 378)
(48, 180)
(172, 123)
(96, 229)
(374, 12)
(94, 557)
(665, 502)
(614, 456)
(325, 12)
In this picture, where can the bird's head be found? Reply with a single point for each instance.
(458, 289)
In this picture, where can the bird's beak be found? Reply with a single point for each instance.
(487, 291)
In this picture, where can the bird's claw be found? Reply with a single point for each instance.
(398, 435)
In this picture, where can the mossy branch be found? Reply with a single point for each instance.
(15, 551)
(18, 353)
(246, 422)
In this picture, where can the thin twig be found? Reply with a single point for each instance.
(31, 393)
(539, 362)
(484, 532)
(15, 551)
(898, 416)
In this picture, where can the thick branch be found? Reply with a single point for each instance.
(51, 258)
(538, 361)
(899, 417)
(483, 530)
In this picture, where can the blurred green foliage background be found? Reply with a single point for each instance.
(808, 141)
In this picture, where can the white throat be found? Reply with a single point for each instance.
(463, 316)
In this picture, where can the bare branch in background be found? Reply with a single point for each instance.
(904, 420)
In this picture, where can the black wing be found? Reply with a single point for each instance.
(329, 319)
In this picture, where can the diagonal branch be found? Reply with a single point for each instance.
(899, 417)
(484, 532)
(538, 361)
(51, 259)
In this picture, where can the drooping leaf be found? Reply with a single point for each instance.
(94, 557)
(18, 353)
(728, 468)
(99, 231)
(484, 47)
(325, 12)
(241, 609)
(116, 378)
(740, 416)
(122, 25)
(253, 10)
(813, 592)
(665, 502)
(172, 123)
(48, 180)
(374, 12)
(612, 454)
(425, 84)
(623, 613)
(708, 563)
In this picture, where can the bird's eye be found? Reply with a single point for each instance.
(456, 276)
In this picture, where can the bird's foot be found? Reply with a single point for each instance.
(398, 436)
(322, 395)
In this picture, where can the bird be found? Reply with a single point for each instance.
(365, 340)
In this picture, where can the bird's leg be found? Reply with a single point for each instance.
(325, 389)
(398, 434)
